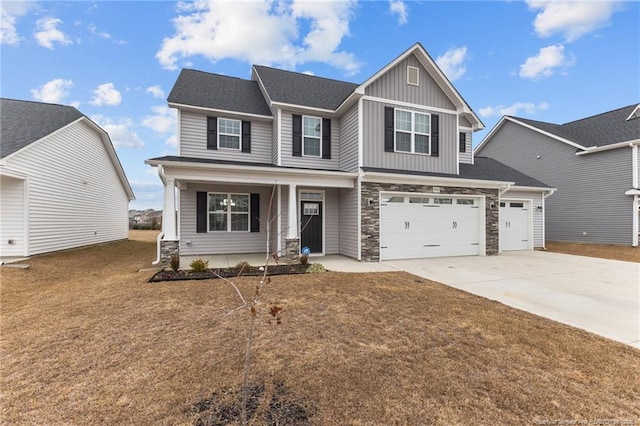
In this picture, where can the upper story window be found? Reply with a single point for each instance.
(412, 132)
(413, 76)
(463, 142)
(229, 133)
(312, 135)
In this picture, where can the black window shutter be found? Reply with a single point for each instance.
(463, 142)
(255, 213)
(246, 136)
(297, 135)
(212, 133)
(201, 212)
(326, 138)
(388, 129)
(435, 137)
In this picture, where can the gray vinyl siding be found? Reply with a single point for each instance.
(284, 218)
(590, 196)
(76, 197)
(393, 85)
(349, 222)
(464, 122)
(220, 242)
(374, 154)
(538, 216)
(332, 221)
(467, 156)
(309, 162)
(349, 140)
(193, 140)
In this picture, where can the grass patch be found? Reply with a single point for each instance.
(84, 339)
(603, 251)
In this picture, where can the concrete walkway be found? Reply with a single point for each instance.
(598, 295)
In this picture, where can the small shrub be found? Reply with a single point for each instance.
(315, 268)
(243, 265)
(175, 262)
(199, 265)
(304, 259)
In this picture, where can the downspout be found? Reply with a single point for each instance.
(161, 234)
(635, 228)
(544, 218)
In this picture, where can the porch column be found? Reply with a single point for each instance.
(169, 211)
(293, 213)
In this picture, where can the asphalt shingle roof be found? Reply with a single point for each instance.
(484, 169)
(200, 160)
(24, 122)
(217, 91)
(302, 89)
(599, 130)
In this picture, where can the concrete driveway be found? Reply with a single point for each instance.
(598, 295)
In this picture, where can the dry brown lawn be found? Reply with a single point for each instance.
(86, 340)
(604, 251)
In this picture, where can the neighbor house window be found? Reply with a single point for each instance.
(229, 133)
(312, 135)
(228, 212)
(412, 131)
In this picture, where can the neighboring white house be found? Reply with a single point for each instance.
(61, 183)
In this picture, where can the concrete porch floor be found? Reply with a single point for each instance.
(332, 262)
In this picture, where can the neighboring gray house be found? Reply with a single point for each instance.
(373, 171)
(61, 184)
(594, 164)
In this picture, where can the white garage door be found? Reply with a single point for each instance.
(415, 226)
(515, 225)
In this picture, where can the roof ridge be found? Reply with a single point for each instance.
(218, 74)
(40, 103)
(530, 119)
(307, 75)
(599, 114)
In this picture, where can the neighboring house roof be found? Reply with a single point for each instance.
(301, 89)
(483, 169)
(18, 128)
(221, 92)
(25, 122)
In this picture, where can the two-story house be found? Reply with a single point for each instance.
(374, 171)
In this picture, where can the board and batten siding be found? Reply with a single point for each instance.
(193, 141)
(220, 242)
(349, 140)
(393, 85)
(275, 147)
(349, 222)
(590, 205)
(374, 154)
(467, 156)
(12, 211)
(76, 197)
(286, 144)
(537, 215)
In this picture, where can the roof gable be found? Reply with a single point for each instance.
(18, 129)
(303, 90)
(219, 92)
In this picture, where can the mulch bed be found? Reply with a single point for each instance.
(213, 273)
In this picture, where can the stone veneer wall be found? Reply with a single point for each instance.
(168, 249)
(292, 250)
(370, 242)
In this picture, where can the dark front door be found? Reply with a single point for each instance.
(311, 226)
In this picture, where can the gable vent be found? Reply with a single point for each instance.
(413, 75)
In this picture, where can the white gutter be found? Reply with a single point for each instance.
(220, 111)
(432, 180)
(161, 234)
(544, 228)
(634, 165)
(593, 149)
(503, 191)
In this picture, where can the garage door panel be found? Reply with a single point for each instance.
(515, 224)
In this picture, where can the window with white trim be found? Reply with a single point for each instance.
(229, 133)
(311, 136)
(228, 212)
(412, 132)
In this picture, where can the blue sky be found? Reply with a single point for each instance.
(117, 61)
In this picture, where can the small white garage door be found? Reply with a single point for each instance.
(427, 225)
(515, 225)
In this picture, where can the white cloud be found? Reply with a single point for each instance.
(572, 19)
(10, 13)
(102, 34)
(264, 32)
(452, 62)
(162, 121)
(53, 91)
(106, 94)
(47, 32)
(400, 8)
(120, 131)
(545, 63)
(514, 109)
(156, 91)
